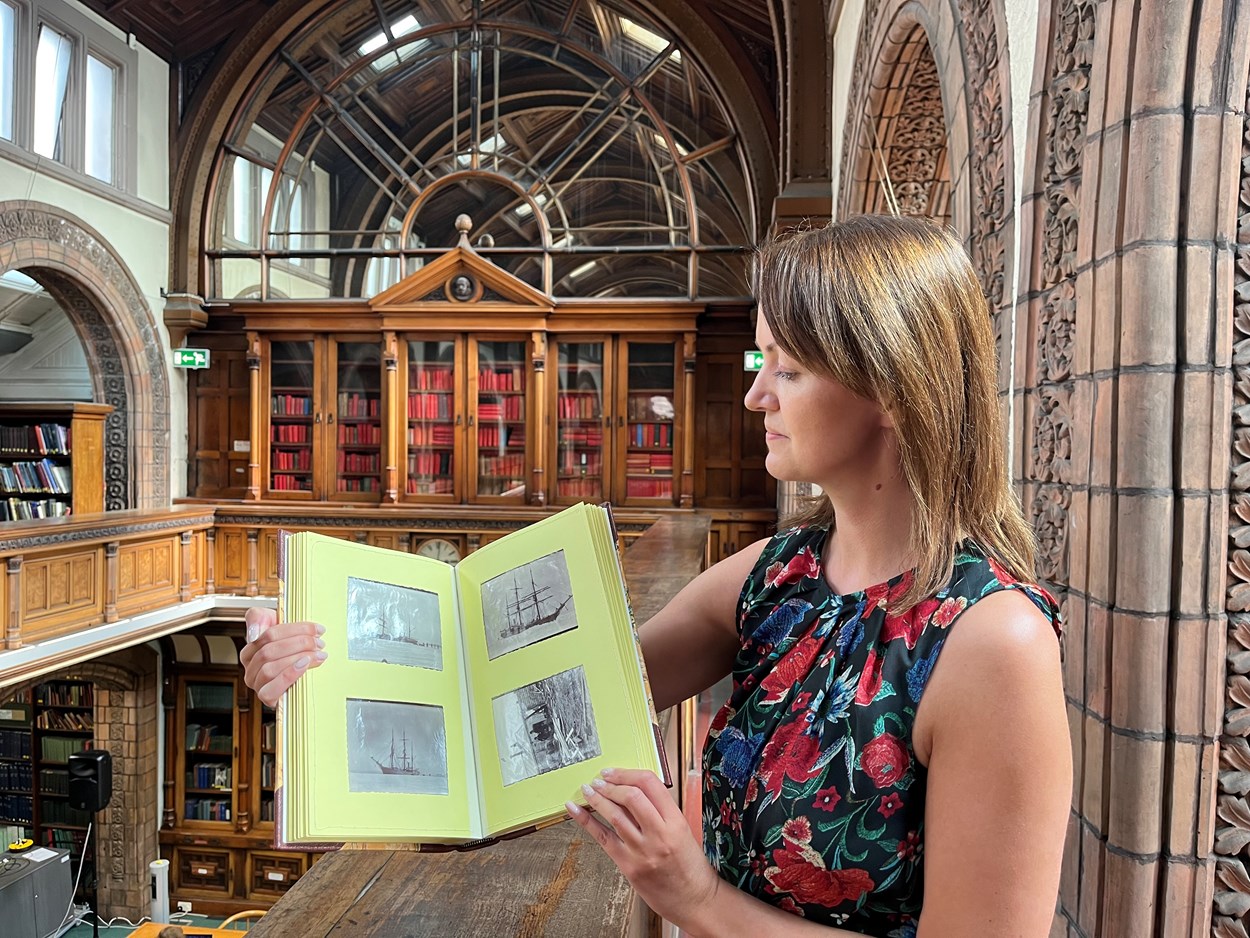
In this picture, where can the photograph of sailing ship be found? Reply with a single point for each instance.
(527, 604)
(393, 625)
(396, 747)
(545, 726)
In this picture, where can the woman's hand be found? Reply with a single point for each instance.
(276, 655)
(650, 841)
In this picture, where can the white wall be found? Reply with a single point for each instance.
(844, 38)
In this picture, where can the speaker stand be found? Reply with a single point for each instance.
(89, 845)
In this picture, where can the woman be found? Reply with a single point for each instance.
(850, 758)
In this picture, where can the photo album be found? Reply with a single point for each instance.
(459, 703)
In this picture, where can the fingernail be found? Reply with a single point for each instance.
(253, 632)
(321, 629)
(608, 772)
(319, 642)
(301, 663)
(320, 655)
(588, 790)
(598, 783)
(573, 809)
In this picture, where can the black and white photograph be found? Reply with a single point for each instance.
(527, 604)
(393, 625)
(396, 748)
(545, 726)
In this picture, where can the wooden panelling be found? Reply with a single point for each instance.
(203, 871)
(148, 574)
(268, 581)
(387, 539)
(61, 593)
(270, 875)
(231, 568)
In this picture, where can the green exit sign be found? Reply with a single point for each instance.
(752, 361)
(190, 358)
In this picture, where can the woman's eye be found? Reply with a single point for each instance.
(783, 375)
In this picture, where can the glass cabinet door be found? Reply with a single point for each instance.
(579, 416)
(649, 371)
(497, 424)
(291, 411)
(266, 765)
(208, 725)
(433, 414)
(358, 412)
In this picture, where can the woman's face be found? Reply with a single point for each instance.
(817, 430)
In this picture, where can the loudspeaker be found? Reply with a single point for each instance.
(90, 779)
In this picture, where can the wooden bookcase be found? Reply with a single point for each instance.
(51, 459)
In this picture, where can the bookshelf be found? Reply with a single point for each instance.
(580, 421)
(291, 416)
(266, 771)
(63, 723)
(432, 418)
(51, 459)
(208, 763)
(17, 794)
(358, 440)
(500, 413)
(650, 421)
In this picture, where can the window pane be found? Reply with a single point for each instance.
(101, 97)
(241, 201)
(51, 77)
(8, 55)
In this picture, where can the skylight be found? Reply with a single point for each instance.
(653, 41)
(19, 281)
(493, 144)
(401, 27)
(524, 211)
(660, 141)
(583, 270)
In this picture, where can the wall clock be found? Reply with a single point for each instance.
(440, 549)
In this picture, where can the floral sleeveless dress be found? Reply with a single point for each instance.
(813, 798)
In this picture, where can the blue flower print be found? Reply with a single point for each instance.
(738, 754)
(918, 673)
(776, 628)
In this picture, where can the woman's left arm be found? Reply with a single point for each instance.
(993, 725)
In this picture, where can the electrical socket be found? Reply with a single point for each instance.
(184, 907)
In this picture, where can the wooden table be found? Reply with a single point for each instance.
(152, 929)
(555, 883)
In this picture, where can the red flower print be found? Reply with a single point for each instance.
(802, 874)
(884, 760)
(948, 611)
(883, 594)
(910, 624)
(790, 906)
(792, 668)
(1000, 572)
(789, 753)
(721, 718)
(803, 564)
(753, 790)
(869, 679)
(827, 799)
(889, 804)
(909, 846)
(797, 829)
(801, 702)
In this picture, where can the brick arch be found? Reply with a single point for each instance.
(966, 44)
(123, 345)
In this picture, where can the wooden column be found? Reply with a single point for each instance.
(184, 588)
(391, 411)
(538, 357)
(687, 434)
(256, 416)
(210, 561)
(13, 625)
(173, 744)
(404, 542)
(253, 563)
(110, 581)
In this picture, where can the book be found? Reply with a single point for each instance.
(459, 703)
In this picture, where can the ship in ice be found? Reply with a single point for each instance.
(401, 764)
(529, 609)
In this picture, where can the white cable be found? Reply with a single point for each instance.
(82, 861)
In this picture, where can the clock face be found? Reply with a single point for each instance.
(440, 549)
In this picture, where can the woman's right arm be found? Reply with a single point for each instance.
(688, 645)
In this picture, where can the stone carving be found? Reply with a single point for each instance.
(34, 542)
(1071, 50)
(1231, 915)
(918, 145)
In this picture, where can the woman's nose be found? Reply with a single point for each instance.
(758, 396)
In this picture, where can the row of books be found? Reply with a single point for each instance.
(60, 812)
(19, 808)
(59, 748)
(359, 485)
(208, 738)
(651, 435)
(209, 775)
(500, 436)
(354, 404)
(210, 697)
(291, 405)
(426, 377)
(578, 407)
(442, 486)
(205, 809)
(18, 509)
(43, 476)
(501, 378)
(281, 482)
(14, 744)
(268, 735)
(15, 775)
(584, 462)
(438, 434)
(358, 462)
(429, 406)
(53, 782)
(47, 439)
(64, 720)
(509, 408)
(267, 771)
(60, 839)
(649, 464)
(291, 459)
(360, 434)
(429, 464)
(588, 487)
(65, 694)
(590, 437)
(649, 488)
(501, 465)
(288, 433)
(266, 809)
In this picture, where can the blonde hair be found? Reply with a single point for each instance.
(891, 309)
